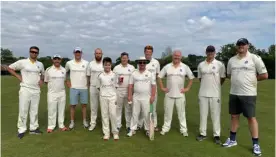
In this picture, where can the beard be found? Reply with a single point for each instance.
(98, 58)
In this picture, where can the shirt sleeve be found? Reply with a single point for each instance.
(46, 76)
(229, 67)
(260, 66)
(153, 79)
(198, 71)
(67, 66)
(42, 70)
(88, 70)
(163, 72)
(158, 68)
(130, 81)
(189, 73)
(18, 65)
(98, 81)
(222, 70)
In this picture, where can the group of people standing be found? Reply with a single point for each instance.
(135, 89)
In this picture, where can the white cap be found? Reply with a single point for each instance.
(143, 58)
(56, 56)
(77, 49)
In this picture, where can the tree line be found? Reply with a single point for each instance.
(224, 54)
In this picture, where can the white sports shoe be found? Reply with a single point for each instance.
(257, 150)
(91, 128)
(85, 124)
(130, 133)
(72, 125)
(162, 132)
(229, 143)
(185, 134)
(106, 137)
(116, 136)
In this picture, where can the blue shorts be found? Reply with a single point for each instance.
(75, 94)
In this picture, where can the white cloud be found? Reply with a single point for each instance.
(129, 26)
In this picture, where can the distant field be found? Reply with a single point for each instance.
(81, 143)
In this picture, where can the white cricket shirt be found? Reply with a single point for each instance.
(210, 75)
(124, 72)
(153, 67)
(142, 83)
(30, 71)
(244, 72)
(77, 73)
(176, 78)
(107, 84)
(55, 78)
(93, 70)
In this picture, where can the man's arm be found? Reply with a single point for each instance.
(261, 69)
(15, 66)
(222, 73)
(261, 77)
(13, 73)
(198, 73)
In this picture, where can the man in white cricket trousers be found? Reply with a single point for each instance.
(141, 91)
(77, 83)
(55, 77)
(153, 67)
(211, 74)
(245, 70)
(106, 84)
(123, 72)
(95, 67)
(175, 91)
(31, 79)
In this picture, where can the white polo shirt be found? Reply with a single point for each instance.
(125, 72)
(142, 83)
(153, 66)
(244, 72)
(93, 70)
(30, 71)
(55, 78)
(77, 73)
(176, 78)
(210, 75)
(107, 84)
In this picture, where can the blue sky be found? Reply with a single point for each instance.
(58, 27)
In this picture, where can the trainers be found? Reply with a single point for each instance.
(156, 129)
(217, 140)
(20, 135)
(138, 128)
(63, 129)
(128, 129)
(72, 125)
(130, 133)
(147, 133)
(118, 129)
(35, 132)
(116, 137)
(49, 130)
(257, 150)
(162, 132)
(200, 138)
(91, 128)
(185, 134)
(229, 143)
(105, 137)
(85, 124)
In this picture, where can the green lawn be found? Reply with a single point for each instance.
(81, 143)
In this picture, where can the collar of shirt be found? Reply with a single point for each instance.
(123, 65)
(77, 62)
(31, 61)
(56, 68)
(246, 55)
(212, 62)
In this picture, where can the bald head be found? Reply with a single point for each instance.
(177, 55)
(98, 54)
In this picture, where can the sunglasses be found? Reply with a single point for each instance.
(56, 58)
(77, 52)
(142, 62)
(34, 52)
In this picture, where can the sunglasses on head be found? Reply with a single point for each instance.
(35, 52)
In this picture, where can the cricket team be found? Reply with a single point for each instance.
(135, 89)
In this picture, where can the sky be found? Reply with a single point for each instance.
(59, 27)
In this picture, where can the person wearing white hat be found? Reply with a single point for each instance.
(94, 68)
(175, 73)
(55, 77)
(31, 80)
(77, 83)
(141, 91)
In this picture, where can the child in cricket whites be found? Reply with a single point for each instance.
(106, 84)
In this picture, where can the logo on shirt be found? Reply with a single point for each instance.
(152, 65)
(83, 66)
(245, 62)
(111, 79)
(38, 67)
(218, 101)
(180, 70)
(214, 67)
(128, 70)
(62, 72)
(146, 75)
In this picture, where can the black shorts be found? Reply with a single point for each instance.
(242, 104)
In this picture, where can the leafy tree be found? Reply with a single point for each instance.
(7, 56)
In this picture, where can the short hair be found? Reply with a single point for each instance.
(107, 60)
(99, 49)
(124, 54)
(148, 47)
(34, 47)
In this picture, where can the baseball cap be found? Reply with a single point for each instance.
(77, 49)
(57, 56)
(242, 41)
(210, 48)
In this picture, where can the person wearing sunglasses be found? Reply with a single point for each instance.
(175, 73)
(55, 77)
(77, 82)
(123, 72)
(211, 74)
(245, 70)
(31, 80)
(141, 91)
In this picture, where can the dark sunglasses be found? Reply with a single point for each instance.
(56, 58)
(142, 62)
(77, 52)
(35, 52)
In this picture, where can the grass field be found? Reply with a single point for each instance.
(81, 143)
